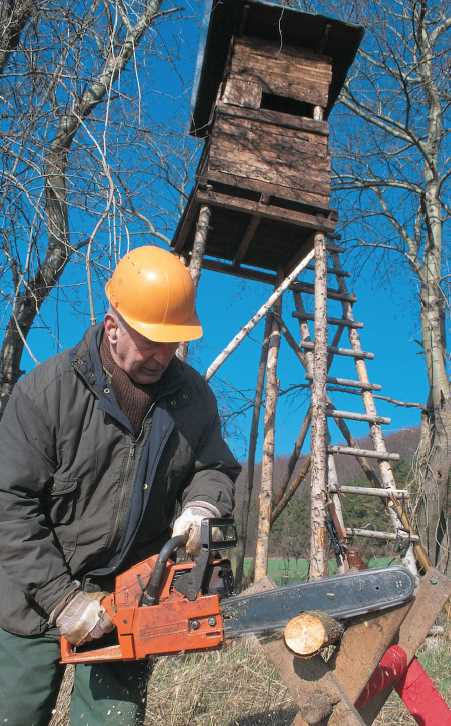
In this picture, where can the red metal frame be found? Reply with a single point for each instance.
(414, 686)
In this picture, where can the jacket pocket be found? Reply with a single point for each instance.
(62, 500)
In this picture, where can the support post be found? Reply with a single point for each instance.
(319, 439)
(261, 312)
(265, 498)
(197, 254)
(247, 493)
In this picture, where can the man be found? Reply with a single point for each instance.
(97, 446)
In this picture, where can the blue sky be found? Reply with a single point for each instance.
(225, 303)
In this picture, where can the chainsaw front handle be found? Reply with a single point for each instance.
(150, 596)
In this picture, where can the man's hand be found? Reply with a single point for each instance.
(83, 618)
(190, 521)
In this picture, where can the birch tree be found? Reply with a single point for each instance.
(79, 158)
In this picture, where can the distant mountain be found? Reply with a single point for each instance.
(403, 442)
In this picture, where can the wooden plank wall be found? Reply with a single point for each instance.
(283, 70)
(284, 162)
(260, 149)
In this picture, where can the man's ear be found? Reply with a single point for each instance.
(110, 325)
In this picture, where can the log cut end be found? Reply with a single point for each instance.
(307, 633)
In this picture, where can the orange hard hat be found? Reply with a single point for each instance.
(153, 292)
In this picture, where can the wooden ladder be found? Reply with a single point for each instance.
(382, 481)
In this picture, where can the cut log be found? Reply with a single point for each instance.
(307, 633)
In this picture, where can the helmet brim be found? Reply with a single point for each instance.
(167, 333)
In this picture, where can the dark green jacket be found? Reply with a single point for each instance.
(80, 496)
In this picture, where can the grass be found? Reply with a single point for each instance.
(238, 686)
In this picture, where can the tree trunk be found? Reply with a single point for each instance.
(319, 438)
(433, 457)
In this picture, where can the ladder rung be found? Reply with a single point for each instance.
(358, 416)
(331, 292)
(381, 535)
(340, 351)
(330, 270)
(332, 321)
(371, 491)
(367, 453)
(351, 383)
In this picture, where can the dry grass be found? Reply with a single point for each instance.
(236, 686)
(239, 687)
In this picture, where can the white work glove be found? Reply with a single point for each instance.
(83, 618)
(190, 521)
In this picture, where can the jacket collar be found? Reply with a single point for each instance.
(85, 358)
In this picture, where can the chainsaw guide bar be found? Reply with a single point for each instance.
(342, 597)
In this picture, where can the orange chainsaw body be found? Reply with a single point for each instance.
(174, 624)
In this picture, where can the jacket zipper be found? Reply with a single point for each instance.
(125, 479)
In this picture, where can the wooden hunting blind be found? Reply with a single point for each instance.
(267, 79)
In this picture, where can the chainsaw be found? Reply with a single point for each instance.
(161, 607)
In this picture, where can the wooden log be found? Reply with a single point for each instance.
(238, 271)
(261, 312)
(332, 321)
(353, 416)
(371, 491)
(333, 271)
(374, 534)
(331, 293)
(197, 254)
(266, 487)
(319, 436)
(347, 352)
(312, 686)
(367, 453)
(241, 548)
(309, 632)
(351, 383)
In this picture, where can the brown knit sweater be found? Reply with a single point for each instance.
(133, 398)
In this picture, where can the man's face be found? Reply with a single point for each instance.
(143, 360)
